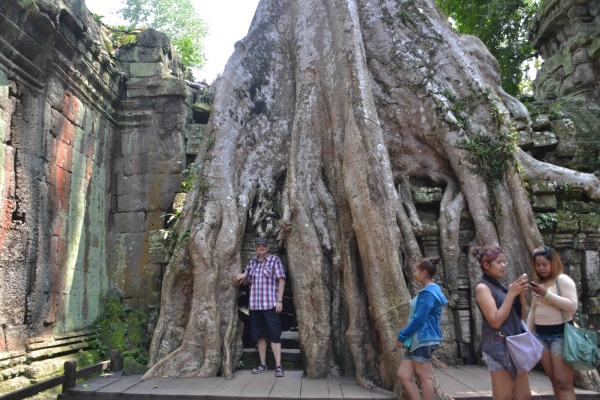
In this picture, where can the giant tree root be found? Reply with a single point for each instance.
(346, 100)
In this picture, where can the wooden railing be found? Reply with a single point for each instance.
(69, 379)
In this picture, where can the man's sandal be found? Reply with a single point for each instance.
(259, 369)
(279, 371)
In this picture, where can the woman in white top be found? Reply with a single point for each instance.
(545, 317)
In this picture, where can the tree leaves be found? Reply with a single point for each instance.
(177, 18)
(502, 26)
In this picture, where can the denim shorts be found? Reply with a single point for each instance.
(553, 343)
(421, 354)
(493, 366)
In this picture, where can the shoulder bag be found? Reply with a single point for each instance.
(580, 346)
(525, 350)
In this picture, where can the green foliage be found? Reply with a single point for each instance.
(176, 18)
(207, 96)
(190, 176)
(98, 17)
(489, 158)
(502, 26)
(545, 221)
(123, 329)
(403, 13)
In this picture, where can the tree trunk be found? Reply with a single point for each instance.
(343, 100)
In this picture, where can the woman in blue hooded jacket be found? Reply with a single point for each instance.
(422, 335)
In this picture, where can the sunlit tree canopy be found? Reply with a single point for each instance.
(177, 18)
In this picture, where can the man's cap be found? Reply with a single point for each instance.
(261, 240)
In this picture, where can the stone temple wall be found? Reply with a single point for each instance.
(93, 143)
(149, 158)
(566, 35)
(57, 99)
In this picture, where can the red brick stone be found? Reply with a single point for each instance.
(71, 105)
(61, 128)
(64, 155)
(60, 188)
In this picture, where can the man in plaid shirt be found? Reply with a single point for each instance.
(266, 277)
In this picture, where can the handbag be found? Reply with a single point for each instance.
(580, 346)
(525, 350)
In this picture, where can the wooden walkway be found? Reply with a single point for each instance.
(463, 383)
(472, 382)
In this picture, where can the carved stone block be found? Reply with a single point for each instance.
(587, 241)
(589, 223)
(570, 256)
(562, 240)
(540, 122)
(195, 131)
(159, 247)
(543, 202)
(591, 305)
(179, 201)
(591, 266)
(427, 195)
(129, 222)
(578, 207)
(574, 271)
(590, 273)
(465, 350)
(463, 302)
(462, 324)
(567, 223)
(565, 132)
(539, 186)
(543, 139)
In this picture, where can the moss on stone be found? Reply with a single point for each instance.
(124, 329)
(142, 314)
(567, 223)
(589, 223)
(114, 308)
(112, 333)
(201, 112)
(136, 332)
(132, 367)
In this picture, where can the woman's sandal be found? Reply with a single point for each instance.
(259, 369)
(279, 371)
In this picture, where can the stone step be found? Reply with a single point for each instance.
(290, 359)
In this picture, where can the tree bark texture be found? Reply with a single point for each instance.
(329, 108)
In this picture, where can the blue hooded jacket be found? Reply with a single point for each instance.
(426, 318)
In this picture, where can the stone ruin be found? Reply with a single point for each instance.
(94, 142)
(97, 138)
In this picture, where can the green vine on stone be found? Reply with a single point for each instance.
(545, 221)
(489, 158)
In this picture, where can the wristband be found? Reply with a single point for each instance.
(547, 294)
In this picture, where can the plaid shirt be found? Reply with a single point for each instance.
(263, 276)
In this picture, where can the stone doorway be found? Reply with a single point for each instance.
(290, 341)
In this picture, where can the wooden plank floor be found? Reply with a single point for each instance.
(472, 382)
(467, 382)
(245, 386)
